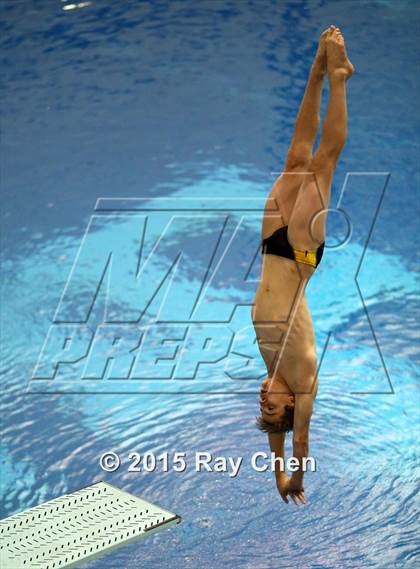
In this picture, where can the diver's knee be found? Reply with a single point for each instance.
(324, 159)
(298, 158)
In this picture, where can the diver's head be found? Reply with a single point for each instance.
(277, 405)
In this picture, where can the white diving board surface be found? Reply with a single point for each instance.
(77, 527)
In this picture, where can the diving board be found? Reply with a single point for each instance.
(76, 527)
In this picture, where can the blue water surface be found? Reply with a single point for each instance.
(182, 100)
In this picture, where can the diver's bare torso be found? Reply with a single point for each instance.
(281, 316)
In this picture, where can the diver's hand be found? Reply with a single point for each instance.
(286, 488)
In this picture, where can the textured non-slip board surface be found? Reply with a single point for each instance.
(68, 530)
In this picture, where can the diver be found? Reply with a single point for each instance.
(293, 236)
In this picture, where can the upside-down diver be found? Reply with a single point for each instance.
(293, 237)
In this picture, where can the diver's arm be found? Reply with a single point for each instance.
(276, 441)
(302, 418)
(283, 482)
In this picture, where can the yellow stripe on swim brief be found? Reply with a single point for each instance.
(307, 257)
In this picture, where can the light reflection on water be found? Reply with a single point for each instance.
(361, 509)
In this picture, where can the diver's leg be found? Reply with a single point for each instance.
(334, 130)
(306, 230)
(299, 154)
(307, 120)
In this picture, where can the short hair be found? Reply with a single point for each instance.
(284, 425)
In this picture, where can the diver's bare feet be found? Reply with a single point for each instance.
(338, 64)
(319, 65)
